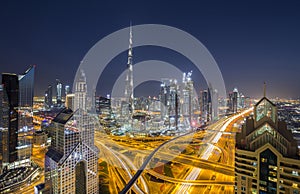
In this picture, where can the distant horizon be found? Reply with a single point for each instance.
(146, 96)
(140, 90)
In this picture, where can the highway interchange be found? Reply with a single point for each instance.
(210, 169)
(195, 162)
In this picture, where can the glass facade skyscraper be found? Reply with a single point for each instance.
(11, 86)
(205, 106)
(58, 92)
(26, 87)
(4, 121)
(187, 98)
(25, 111)
(48, 97)
(17, 93)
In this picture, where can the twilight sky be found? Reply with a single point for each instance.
(252, 42)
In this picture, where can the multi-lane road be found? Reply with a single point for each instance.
(210, 168)
(219, 127)
(193, 174)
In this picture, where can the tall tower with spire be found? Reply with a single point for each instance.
(129, 76)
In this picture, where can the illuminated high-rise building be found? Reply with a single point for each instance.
(26, 93)
(241, 101)
(58, 92)
(266, 158)
(4, 122)
(69, 102)
(11, 87)
(67, 90)
(102, 105)
(26, 87)
(205, 106)
(80, 100)
(174, 107)
(72, 159)
(19, 91)
(169, 102)
(163, 98)
(187, 98)
(233, 101)
(48, 97)
(128, 105)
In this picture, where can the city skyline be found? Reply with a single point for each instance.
(240, 37)
(149, 97)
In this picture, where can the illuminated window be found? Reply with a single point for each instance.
(265, 108)
(264, 160)
(295, 185)
(295, 173)
(273, 179)
(273, 168)
(272, 173)
(264, 128)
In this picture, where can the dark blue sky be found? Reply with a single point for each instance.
(252, 42)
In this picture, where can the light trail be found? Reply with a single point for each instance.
(134, 168)
(122, 164)
(196, 171)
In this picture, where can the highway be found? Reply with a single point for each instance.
(219, 129)
(194, 172)
(146, 162)
(123, 165)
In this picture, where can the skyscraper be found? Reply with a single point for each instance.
(11, 86)
(80, 101)
(174, 104)
(69, 103)
(129, 99)
(241, 101)
(25, 110)
(233, 99)
(266, 159)
(67, 90)
(205, 106)
(102, 105)
(58, 92)
(163, 98)
(169, 102)
(26, 87)
(187, 97)
(48, 97)
(72, 159)
(4, 122)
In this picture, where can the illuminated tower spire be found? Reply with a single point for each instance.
(129, 76)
